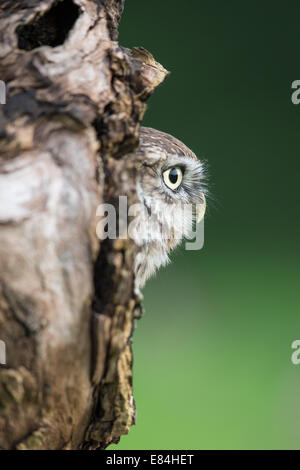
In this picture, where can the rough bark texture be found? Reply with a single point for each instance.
(75, 100)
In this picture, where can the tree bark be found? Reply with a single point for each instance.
(74, 103)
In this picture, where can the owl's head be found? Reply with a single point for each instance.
(170, 183)
(170, 187)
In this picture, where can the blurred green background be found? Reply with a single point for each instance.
(212, 367)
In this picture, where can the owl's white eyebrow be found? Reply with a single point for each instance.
(168, 165)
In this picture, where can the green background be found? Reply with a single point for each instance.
(212, 355)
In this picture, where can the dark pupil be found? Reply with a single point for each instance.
(173, 175)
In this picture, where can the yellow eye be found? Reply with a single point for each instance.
(173, 177)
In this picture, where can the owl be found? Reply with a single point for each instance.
(170, 186)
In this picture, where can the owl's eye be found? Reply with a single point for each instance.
(173, 177)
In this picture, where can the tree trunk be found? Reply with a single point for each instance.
(74, 103)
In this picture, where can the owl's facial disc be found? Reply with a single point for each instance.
(183, 179)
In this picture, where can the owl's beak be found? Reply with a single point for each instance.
(200, 209)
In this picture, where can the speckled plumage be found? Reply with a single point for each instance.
(162, 221)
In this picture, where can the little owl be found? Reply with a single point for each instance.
(171, 192)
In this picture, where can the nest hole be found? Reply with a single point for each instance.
(50, 29)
